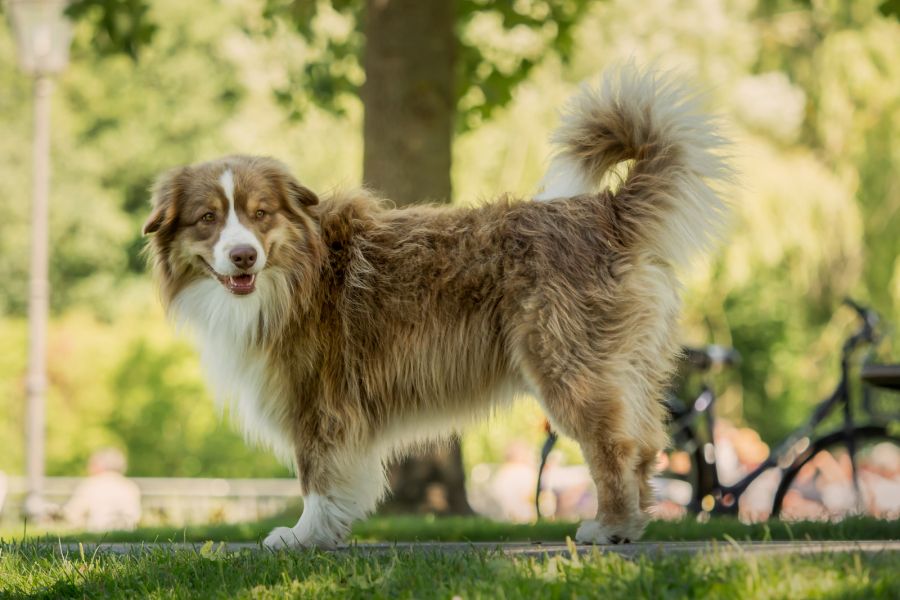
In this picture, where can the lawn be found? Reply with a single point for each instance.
(475, 529)
(30, 568)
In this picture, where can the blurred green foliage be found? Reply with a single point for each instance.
(811, 91)
(129, 385)
(489, 66)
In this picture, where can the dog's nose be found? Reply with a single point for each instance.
(243, 257)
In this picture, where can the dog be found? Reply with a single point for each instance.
(343, 331)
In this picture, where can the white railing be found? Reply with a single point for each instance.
(179, 500)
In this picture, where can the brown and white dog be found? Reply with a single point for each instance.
(343, 331)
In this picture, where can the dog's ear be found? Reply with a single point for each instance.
(299, 194)
(167, 189)
(294, 195)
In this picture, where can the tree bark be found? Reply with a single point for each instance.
(409, 101)
(409, 98)
(429, 483)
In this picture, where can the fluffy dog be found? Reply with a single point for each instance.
(343, 330)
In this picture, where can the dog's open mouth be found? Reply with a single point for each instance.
(239, 285)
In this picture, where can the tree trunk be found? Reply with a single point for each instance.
(429, 483)
(409, 100)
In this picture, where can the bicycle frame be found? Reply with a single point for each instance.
(725, 497)
(711, 495)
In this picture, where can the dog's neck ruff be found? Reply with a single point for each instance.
(208, 308)
(231, 332)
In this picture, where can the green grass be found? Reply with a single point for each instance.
(33, 571)
(33, 567)
(475, 529)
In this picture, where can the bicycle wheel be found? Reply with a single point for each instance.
(820, 486)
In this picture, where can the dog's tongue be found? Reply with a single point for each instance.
(241, 284)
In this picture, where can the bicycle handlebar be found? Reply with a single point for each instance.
(867, 333)
(703, 359)
(869, 316)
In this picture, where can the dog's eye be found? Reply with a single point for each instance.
(208, 217)
(260, 214)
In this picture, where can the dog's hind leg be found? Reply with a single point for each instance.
(648, 459)
(339, 487)
(597, 418)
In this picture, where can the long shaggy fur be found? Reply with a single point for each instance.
(373, 328)
(668, 200)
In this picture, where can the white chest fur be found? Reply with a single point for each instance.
(226, 328)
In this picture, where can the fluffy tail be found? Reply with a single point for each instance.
(668, 202)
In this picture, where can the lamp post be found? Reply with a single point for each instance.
(43, 34)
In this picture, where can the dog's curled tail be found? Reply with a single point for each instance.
(668, 202)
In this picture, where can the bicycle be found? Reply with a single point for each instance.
(803, 457)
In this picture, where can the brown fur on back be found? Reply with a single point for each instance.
(434, 308)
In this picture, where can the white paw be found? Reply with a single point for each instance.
(280, 538)
(595, 532)
(290, 538)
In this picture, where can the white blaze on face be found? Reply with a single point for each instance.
(234, 234)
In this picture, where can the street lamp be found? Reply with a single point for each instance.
(43, 34)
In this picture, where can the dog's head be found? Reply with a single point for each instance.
(230, 220)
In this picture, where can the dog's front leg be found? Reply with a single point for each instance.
(340, 486)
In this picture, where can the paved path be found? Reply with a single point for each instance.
(536, 550)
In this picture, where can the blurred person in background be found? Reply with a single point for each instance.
(566, 490)
(825, 484)
(512, 486)
(106, 500)
(739, 451)
(880, 481)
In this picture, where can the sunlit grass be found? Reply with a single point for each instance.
(31, 565)
(30, 570)
(477, 529)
